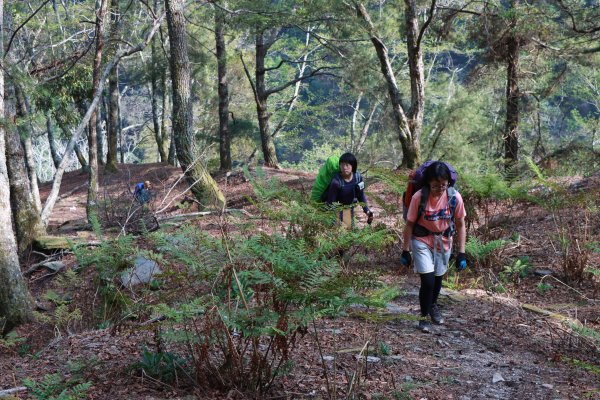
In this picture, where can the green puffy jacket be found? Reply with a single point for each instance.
(324, 177)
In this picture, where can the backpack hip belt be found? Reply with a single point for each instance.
(421, 231)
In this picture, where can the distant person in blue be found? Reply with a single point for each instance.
(142, 192)
(347, 188)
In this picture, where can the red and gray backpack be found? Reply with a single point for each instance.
(416, 182)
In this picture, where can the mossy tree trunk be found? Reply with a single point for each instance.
(203, 185)
(15, 302)
(26, 215)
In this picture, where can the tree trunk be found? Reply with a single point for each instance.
(223, 91)
(511, 128)
(26, 215)
(159, 134)
(355, 113)
(93, 186)
(411, 151)
(51, 141)
(100, 133)
(417, 79)
(81, 158)
(172, 157)
(365, 129)
(15, 302)
(203, 185)
(114, 123)
(23, 112)
(266, 140)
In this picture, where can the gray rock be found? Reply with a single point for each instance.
(54, 265)
(143, 271)
(542, 272)
(497, 378)
(394, 308)
(547, 386)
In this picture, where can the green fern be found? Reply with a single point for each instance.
(55, 387)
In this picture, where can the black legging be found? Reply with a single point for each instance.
(429, 292)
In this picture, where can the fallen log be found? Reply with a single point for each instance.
(7, 392)
(50, 242)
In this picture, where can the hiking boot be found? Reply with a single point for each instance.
(436, 315)
(424, 326)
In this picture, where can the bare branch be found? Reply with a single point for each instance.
(573, 24)
(426, 24)
(315, 72)
(249, 78)
(12, 37)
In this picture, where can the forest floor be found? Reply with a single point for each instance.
(515, 343)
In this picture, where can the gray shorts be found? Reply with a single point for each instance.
(426, 260)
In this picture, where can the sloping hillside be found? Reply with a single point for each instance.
(509, 334)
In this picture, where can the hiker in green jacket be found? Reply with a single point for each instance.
(347, 188)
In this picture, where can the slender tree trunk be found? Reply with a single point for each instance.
(511, 128)
(23, 112)
(100, 132)
(92, 196)
(172, 157)
(114, 123)
(294, 99)
(26, 214)
(365, 129)
(223, 91)
(159, 135)
(417, 77)
(51, 140)
(15, 302)
(262, 110)
(203, 185)
(355, 113)
(81, 158)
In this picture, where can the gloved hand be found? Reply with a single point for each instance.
(369, 217)
(461, 262)
(405, 258)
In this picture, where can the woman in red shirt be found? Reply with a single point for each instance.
(428, 233)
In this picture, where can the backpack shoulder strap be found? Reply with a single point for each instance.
(423, 203)
(451, 191)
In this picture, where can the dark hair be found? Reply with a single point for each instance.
(437, 170)
(350, 159)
